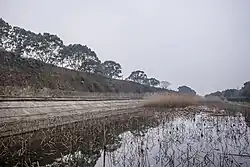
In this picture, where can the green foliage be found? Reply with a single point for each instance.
(217, 93)
(47, 48)
(4, 34)
(79, 57)
(230, 93)
(233, 93)
(44, 47)
(245, 91)
(165, 84)
(186, 90)
(152, 82)
(138, 76)
(226, 93)
(110, 69)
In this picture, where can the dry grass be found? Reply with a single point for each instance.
(18, 91)
(171, 100)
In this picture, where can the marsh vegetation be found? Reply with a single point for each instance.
(191, 136)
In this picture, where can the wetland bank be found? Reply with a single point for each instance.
(124, 89)
(191, 136)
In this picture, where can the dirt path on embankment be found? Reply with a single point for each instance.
(23, 116)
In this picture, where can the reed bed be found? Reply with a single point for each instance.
(172, 100)
(150, 137)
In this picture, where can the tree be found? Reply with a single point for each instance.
(20, 40)
(165, 84)
(231, 93)
(73, 56)
(91, 62)
(5, 40)
(79, 57)
(217, 93)
(89, 65)
(44, 47)
(138, 76)
(12, 38)
(110, 69)
(100, 70)
(47, 48)
(186, 90)
(152, 82)
(245, 91)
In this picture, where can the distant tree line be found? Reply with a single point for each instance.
(50, 49)
(242, 93)
(186, 90)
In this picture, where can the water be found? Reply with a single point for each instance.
(148, 138)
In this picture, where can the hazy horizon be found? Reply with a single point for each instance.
(201, 44)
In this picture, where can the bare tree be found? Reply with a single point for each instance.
(165, 84)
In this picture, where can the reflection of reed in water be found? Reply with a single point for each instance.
(147, 138)
(199, 140)
(74, 144)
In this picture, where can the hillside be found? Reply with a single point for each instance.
(17, 73)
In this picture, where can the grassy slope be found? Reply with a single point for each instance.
(17, 72)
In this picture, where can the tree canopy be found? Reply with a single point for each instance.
(186, 90)
(111, 69)
(79, 57)
(50, 49)
(44, 47)
(141, 77)
(165, 84)
(138, 76)
(153, 82)
(231, 93)
(245, 91)
(47, 48)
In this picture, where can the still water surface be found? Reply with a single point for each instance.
(143, 140)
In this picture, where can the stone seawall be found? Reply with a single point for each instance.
(22, 116)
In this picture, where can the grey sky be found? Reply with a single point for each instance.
(204, 44)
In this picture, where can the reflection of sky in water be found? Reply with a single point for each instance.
(192, 140)
(200, 140)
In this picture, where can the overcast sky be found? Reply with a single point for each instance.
(204, 44)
